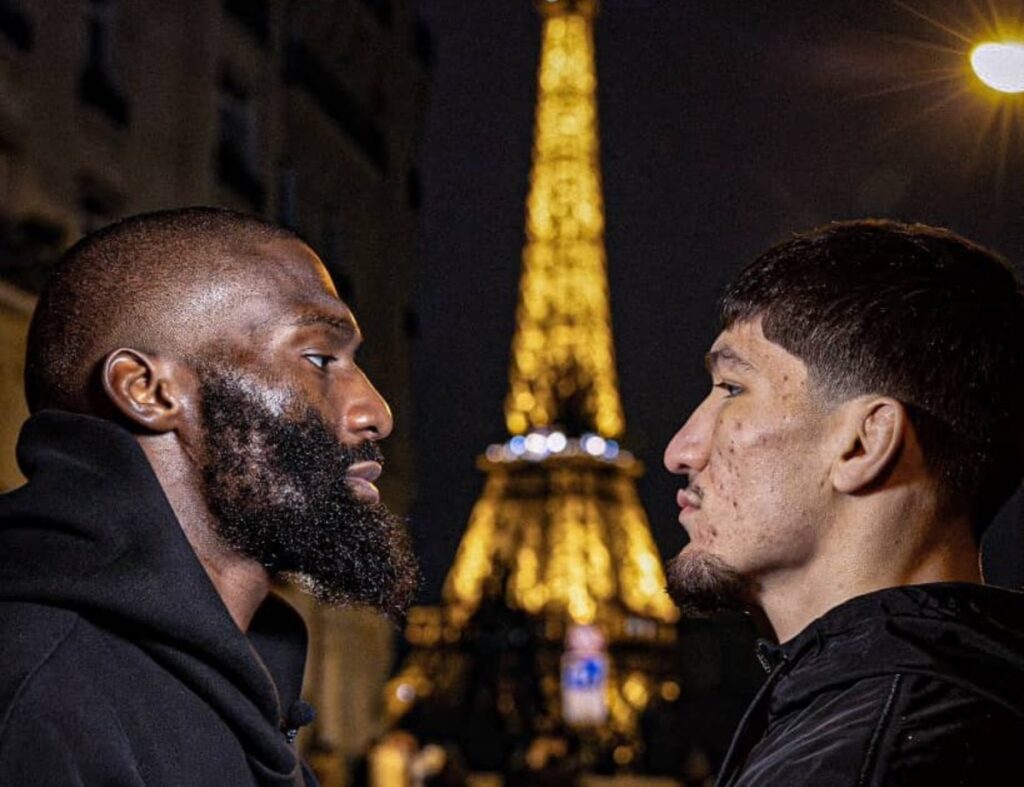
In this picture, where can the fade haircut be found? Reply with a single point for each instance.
(912, 312)
(124, 285)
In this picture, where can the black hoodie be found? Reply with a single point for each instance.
(119, 663)
(916, 685)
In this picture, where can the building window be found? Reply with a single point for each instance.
(332, 251)
(6, 175)
(15, 26)
(413, 189)
(382, 9)
(253, 15)
(28, 250)
(423, 43)
(238, 143)
(304, 70)
(98, 203)
(288, 197)
(99, 85)
(332, 236)
(410, 324)
(92, 216)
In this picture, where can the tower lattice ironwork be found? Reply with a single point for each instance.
(558, 537)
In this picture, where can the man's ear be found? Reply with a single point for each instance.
(145, 389)
(874, 430)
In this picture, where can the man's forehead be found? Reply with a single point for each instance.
(743, 345)
(288, 266)
(736, 345)
(290, 290)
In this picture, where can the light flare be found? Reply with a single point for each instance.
(1000, 65)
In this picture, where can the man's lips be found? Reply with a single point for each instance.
(687, 500)
(360, 477)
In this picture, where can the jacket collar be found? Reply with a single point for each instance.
(970, 635)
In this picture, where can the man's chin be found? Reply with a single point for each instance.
(703, 584)
(394, 605)
(378, 571)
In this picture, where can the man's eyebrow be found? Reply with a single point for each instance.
(340, 323)
(726, 356)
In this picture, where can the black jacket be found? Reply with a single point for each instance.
(918, 685)
(119, 663)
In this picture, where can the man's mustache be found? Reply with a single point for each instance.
(366, 451)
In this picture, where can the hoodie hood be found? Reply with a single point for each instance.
(92, 532)
(968, 635)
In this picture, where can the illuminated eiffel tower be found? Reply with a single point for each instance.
(557, 562)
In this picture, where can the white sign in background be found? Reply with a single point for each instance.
(585, 678)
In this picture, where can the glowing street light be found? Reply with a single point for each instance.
(1000, 66)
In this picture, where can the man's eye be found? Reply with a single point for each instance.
(730, 389)
(319, 361)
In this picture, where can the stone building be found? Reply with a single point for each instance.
(306, 113)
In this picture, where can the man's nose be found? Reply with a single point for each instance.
(687, 451)
(367, 415)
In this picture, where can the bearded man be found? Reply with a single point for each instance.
(199, 427)
(865, 423)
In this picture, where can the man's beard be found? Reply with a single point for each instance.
(703, 584)
(275, 482)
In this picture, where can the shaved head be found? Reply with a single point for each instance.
(152, 282)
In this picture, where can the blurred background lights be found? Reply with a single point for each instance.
(536, 443)
(556, 442)
(594, 444)
(1000, 65)
(517, 444)
(405, 692)
(611, 449)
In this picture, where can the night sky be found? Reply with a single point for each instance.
(725, 125)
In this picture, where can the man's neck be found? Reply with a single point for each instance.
(241, 582)
(861, 558)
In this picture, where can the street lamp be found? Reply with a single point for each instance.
(1000, 65)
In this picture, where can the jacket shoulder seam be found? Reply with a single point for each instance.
(876, 735)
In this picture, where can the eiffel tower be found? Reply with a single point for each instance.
(558, 549)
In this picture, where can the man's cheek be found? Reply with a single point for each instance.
(724, 504)
(724, 461)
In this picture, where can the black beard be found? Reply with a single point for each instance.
(276, 485)
(704, 585)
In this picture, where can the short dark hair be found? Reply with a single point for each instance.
(123, 285)
(913, 312)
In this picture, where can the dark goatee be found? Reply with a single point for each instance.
(702, 584)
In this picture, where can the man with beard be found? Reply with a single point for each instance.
(199, 427)
(864, 426)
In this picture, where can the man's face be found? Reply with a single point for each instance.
(289, 451)
(754, 456)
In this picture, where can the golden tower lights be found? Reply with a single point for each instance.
(558, 539)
